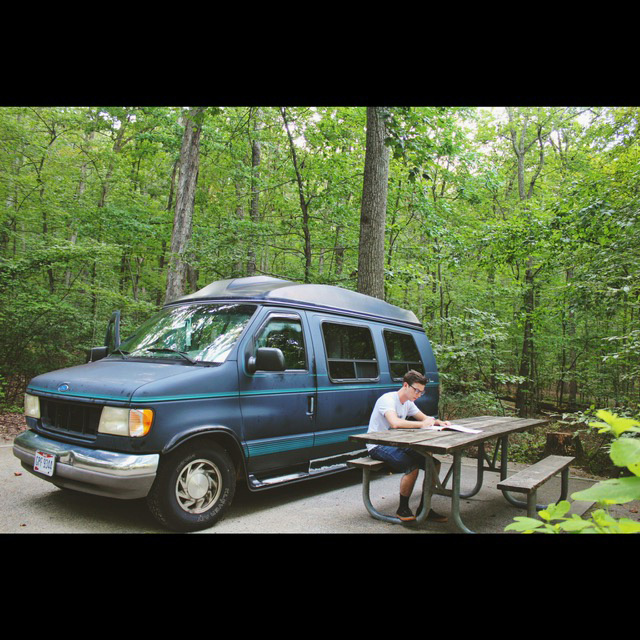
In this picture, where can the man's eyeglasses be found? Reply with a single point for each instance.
(418, 391)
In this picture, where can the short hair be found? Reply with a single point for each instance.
(412, 376)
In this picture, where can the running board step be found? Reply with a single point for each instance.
(317, 468)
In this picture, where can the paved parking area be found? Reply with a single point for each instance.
(331, 505)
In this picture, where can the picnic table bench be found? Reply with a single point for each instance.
(528, 480)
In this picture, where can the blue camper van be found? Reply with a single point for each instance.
(257, 380)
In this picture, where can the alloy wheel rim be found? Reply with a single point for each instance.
(198, 487)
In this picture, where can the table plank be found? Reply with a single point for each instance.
(455, 440)
(444, 442)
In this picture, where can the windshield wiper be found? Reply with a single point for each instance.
(124, 354)
(169, 350)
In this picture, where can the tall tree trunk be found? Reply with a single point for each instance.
(239, 268)
(82, 184)
(255, 194)
(304, 203)
(185, 198)
(8, 235)
(525, 394)
(162, 257)
(373, 211)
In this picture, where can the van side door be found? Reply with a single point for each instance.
(278, 407)
(350, 378)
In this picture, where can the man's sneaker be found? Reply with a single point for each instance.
(405, 514)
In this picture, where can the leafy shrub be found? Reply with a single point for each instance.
(625, 453)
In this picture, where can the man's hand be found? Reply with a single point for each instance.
(434, 422)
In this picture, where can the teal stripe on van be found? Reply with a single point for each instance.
(221, 394)
(278, 445)
(95, 396)
(91, 396)
(339, 435)
(269, 446)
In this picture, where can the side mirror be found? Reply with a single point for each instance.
(266, 359)
(111, 340)
(97, 353)
(112, 337)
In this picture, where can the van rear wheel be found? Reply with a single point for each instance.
(194, 486)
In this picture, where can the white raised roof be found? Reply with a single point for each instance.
(322, 296)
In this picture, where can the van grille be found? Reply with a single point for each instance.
(68, 417)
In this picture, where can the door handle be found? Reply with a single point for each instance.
(311, 401)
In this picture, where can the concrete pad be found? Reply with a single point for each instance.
(330, 505)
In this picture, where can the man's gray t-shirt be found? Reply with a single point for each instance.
(389, 401)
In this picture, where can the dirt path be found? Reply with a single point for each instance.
(11, 424)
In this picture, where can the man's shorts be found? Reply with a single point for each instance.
(399, 459)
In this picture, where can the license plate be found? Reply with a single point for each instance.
(44, 463)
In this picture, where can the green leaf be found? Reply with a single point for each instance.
(524, 524)
(603, 519)
(613, 422)
(625, 525)
(556, 511)
(625, 452)
(618, 491)
(575, 524)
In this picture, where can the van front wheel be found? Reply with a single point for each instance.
(194, 486)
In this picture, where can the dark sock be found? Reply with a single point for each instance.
(404, 501)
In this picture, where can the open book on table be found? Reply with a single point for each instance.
(452, 427)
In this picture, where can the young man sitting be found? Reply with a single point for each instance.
(391, 412)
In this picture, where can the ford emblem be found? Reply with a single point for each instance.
(64, 387)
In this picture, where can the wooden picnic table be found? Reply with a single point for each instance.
(445, 442)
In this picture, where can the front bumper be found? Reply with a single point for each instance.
(104, 473)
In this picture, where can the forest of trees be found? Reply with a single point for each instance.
(511, 232)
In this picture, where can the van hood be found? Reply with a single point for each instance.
(119, 381)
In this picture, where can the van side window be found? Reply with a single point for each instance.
(350, 352)
(402, 352)
(284, 334)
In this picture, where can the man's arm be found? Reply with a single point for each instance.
(398, 423)
(421, 420)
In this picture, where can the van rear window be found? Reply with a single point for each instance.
(350, 352)
(402, 352)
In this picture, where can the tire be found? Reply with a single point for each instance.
(194, 487)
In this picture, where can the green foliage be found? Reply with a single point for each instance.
(553, 520)
(469, 403)
(527, 446)
(625, 452)
(88, 197)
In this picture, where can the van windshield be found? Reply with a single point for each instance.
(195, 332)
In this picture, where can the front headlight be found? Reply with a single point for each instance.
(31, 406)
(118, 421)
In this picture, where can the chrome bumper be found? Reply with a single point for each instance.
(104, 473)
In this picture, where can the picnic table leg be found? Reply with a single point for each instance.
(455, 496)
(479, 475)
(521, 504)
(479, 478)
(427, 488)
(366, 480)
(426, 495)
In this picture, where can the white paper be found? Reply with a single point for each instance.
(452, 427)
